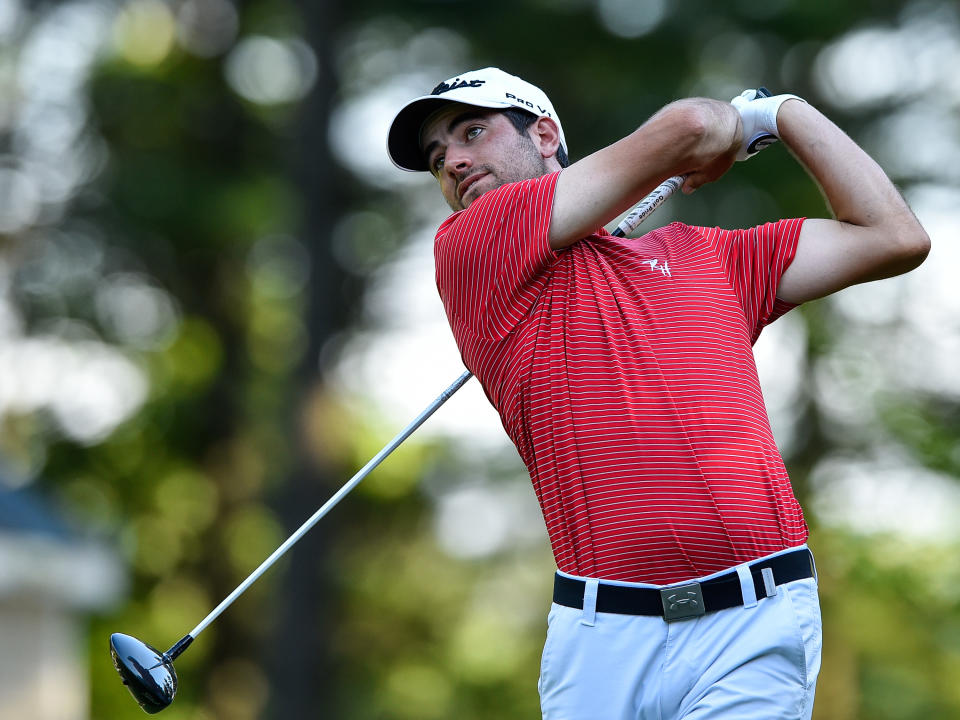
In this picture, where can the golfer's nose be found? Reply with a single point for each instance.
(457, 159)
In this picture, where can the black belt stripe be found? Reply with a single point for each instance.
(718, 593)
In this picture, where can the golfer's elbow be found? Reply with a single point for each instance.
(907, 246)
(912, 243)
(916, 249)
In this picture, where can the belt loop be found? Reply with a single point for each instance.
(769, 584)
(813, 566)
(747, 588)
(589, 616)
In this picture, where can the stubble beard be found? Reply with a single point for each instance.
(521, 162)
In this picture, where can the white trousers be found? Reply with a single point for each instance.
(756, 662)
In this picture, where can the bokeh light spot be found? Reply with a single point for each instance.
(631, 18)
(144, 32)
(207, 28)
(271, 71)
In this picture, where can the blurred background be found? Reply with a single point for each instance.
(217, 302)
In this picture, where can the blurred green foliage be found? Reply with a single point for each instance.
(216, 198)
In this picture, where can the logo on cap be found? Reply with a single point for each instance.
(456, 85)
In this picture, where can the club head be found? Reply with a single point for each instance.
(147, 673)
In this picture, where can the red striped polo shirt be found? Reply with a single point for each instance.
(623, 371)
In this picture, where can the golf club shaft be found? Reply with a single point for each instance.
(327, 506)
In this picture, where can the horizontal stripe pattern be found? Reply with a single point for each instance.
(623, 371)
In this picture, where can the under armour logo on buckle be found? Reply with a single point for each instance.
(682, 602)
(689, 600)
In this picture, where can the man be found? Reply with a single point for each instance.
(622, 370)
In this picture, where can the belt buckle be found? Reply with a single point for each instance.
(682, 602)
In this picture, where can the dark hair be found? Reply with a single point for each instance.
(521, 120)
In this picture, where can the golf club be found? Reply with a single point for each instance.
(149, 674)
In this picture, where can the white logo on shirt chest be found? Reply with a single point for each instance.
(659, 265)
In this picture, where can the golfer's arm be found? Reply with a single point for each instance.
(874, 235)
(682, 137)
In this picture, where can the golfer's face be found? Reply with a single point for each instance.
(472, 150)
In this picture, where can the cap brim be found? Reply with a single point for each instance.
(403, 140)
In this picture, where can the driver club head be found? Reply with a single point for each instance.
(147, 673)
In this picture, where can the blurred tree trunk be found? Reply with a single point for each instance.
(299, 661)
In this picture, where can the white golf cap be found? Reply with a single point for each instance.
(488, 88)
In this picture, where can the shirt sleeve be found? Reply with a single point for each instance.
(491, 258)
(754, 260)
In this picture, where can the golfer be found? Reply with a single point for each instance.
(623, 371)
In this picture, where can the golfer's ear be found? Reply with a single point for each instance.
(546, 135)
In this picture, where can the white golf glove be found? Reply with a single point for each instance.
(759, 115)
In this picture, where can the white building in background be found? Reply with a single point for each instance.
(49, 581)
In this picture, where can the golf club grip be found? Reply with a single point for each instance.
(646, 206)
(669, 186)
(332, 502)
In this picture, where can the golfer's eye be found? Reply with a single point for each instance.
(437, 165)
(473, 131)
